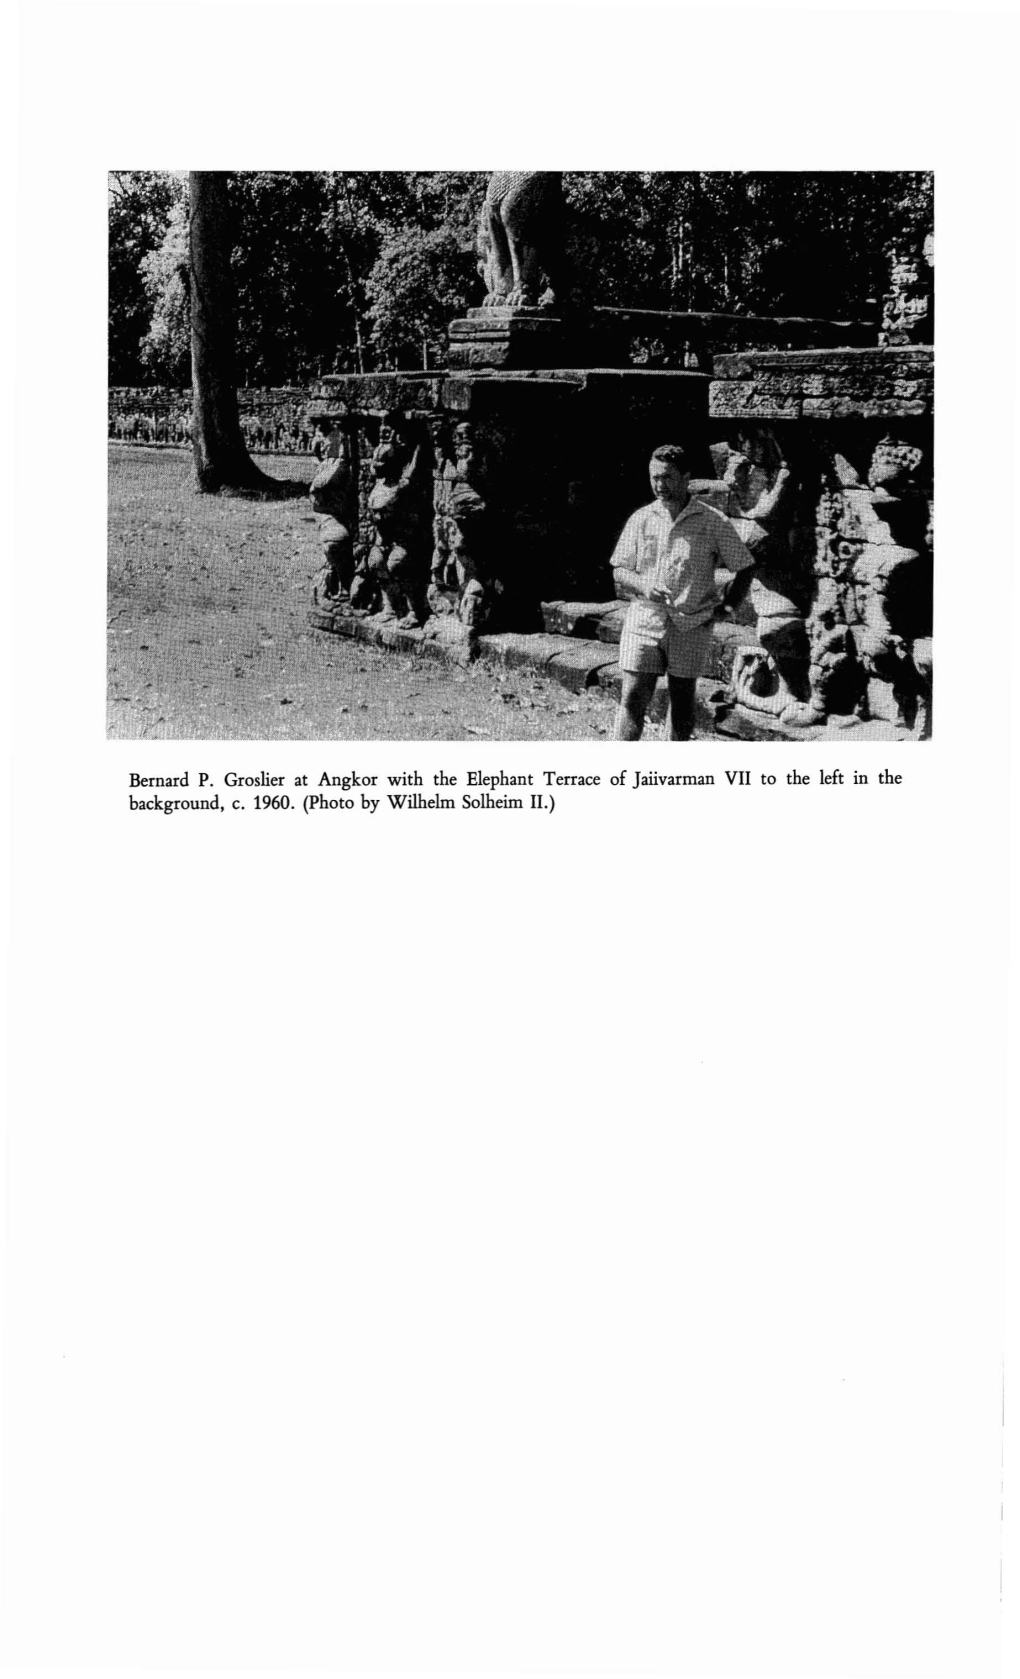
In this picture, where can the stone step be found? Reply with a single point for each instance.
(581, 663)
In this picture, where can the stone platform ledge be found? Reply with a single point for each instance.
(570, 660)
(741, 724)
(575, 661)
(902, 361)
(895, 382)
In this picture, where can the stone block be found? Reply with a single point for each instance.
(433, 648)
(509, 338)
(731, 391)
(862, 407)
(479, 354)
(532, 651)
(739, 402)
(378, 393)
(898, 361)
(400, 641)
(322, 621)
(345, 625)
(576, 618)
(579, 664)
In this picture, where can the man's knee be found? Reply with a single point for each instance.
(637, 690)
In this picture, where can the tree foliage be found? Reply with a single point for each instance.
(166, 346)
(350, 271)
(140, 204)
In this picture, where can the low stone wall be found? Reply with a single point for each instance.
(273, 421)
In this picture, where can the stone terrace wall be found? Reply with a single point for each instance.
(273, 421)
(827, 457)
(555, 461)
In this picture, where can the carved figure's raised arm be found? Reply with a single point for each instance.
(411, 467)
(769, 499)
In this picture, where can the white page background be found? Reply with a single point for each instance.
(555, 1246)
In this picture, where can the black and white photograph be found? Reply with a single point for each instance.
(521, 455)
(476, 1198)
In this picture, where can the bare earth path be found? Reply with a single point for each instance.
(209, 640)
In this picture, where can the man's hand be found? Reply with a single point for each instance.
(655, 592)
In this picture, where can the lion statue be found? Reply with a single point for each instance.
(520, 240)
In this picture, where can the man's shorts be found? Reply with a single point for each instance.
(679, 652)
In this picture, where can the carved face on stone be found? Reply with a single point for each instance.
(668, 481)
(391, 452)
(892, 464)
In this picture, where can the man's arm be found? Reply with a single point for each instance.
(735, 591)
(630, 585)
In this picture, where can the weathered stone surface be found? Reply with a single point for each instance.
(744, 402)
(854, 364)
(331, 622)
(511, 339)
(399, 640)
(482, 324)
(571, 617)
(862, 408)
(513, 649)
(379, 393)
(908, 305)
(823, 384)
(520, 239)
(579, 663)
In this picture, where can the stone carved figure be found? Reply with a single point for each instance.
(849, 632)
(774, 678)
(461, 589)
(395, 514)
(872, 594)
(908, 305)
(332, 496)
(469, 520)
(520, 237)
(892, 514)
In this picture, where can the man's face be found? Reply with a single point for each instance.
(667, 481)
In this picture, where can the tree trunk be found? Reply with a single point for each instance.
(222, 461)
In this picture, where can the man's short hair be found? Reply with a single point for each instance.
(672, 454)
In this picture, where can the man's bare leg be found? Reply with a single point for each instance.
(635, 698)
(681, 707)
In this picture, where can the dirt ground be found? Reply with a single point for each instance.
(209, 639)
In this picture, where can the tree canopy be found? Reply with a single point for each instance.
(351, 271)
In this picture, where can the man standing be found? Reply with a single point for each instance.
(664, 564)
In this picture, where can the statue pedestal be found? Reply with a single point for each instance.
(508, 338)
